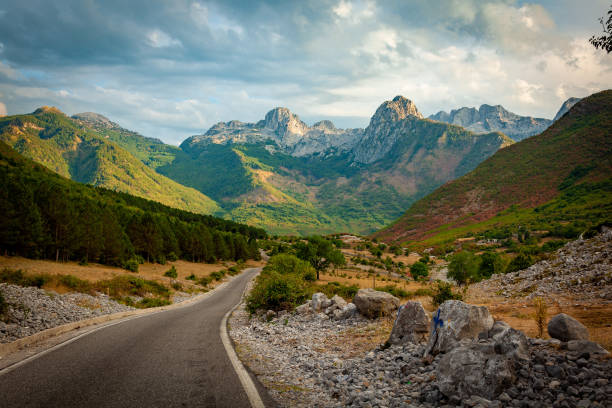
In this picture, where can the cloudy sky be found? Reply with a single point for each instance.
(170, 69)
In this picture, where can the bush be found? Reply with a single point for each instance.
(172, 257)
(540, 315)
(171, 273)
(217, 275)
(419, 270)
(76, 284)
(395, 291)
(442, 293)
(205, 281)
(289, 264)
(191, 277)
(336, 288)
(552, 246)
(233, 270)
(277, 291)
(520, 262)
(3, 306)
(17, 277)
(463, 267)
(177, 286)
(131, 265)
(151, 302)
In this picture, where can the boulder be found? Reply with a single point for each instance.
(566, 328)
(411, 324)
(509, 341)
(586, 346)
(373, 303)
(303, 309)
(338, 301)
(319, 302)
(475, 369)
(347, 311)
(455, 321)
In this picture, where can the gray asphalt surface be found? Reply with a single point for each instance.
(169, 359)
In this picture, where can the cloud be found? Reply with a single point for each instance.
(2, 109)
(158, 39)
(172, 69)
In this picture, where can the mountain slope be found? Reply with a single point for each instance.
(562, 174)
(351, 180)
(494, 119)
(49, 137)
(567, 105)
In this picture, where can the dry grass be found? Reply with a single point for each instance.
(519, 313)
(357, 342)
(97, 272)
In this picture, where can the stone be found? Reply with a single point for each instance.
(338, 301)
(472, 370)
(586, 346)
(509, 341)
(347, 311)
(411, 324)
(566, 328)
(373, 303)
(270, 314)
(455, 321)
(303, 309)
(319, 302)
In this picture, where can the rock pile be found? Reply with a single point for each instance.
(477, 362)
(335, 307)
(32, 310)
(581, 267)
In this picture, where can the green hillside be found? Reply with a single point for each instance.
(84, 155)
(559, 180)
(44, 215)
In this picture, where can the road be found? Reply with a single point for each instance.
(174, 358)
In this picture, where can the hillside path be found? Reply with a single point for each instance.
(174, 358)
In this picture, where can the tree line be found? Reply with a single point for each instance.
(43, 215)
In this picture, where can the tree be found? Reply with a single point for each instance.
(418, 270)
(320, 252)
(605, 41)
(463, 267)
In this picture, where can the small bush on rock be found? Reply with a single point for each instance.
(444, 292)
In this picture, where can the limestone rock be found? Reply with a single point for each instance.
(586, 346)
(509, 341)
(319, 302)
(338, 301)
(455, 321)
(566, 328)
(373, 303)
(474, 369)
(347, 311)
(303, 309)
(411, 324)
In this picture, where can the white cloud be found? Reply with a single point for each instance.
(354, 12)
(343, 9)
(525, 91)
(159, 39)
(199, 14)
(7, 71)
(2, 109)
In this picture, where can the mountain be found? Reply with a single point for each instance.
(288, 177)
(558, 179)
(79, 152)
(565, 107)
(494, 119)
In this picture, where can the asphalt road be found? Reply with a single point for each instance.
(169, 359)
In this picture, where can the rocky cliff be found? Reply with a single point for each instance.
(494, 119)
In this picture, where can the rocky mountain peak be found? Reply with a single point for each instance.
(324, 125)
(95, 119)
(282, 121)
(567, 105)
(397, 109)
(47, 109)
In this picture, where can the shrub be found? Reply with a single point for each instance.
(289, 264)
(177, 286)
(233, 270)
(3, 306)
(552, 246)
(191, 277)
(336, 288)
(443, 292)
(172, 257)
(205, 281)
(152, 302)
(419, 270)
(395, 291)
(171, 273)
(540, 315)
(76, 284)
(277, 291)
(17, 277)
(217, 275)
(520, 262)
(131, 265)
(463, 267)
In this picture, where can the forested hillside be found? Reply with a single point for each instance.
(85, 155)
(44, 215)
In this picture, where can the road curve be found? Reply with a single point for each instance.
(170, 359)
